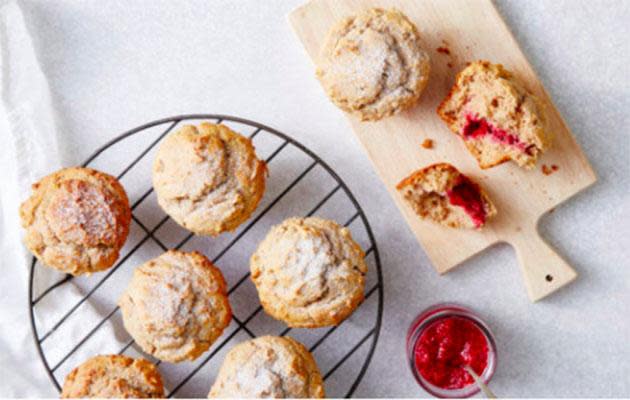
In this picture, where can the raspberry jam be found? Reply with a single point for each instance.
(445, 347)
(466, 194)
(441, 341)
(478, 127)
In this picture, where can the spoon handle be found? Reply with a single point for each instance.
(484, 388)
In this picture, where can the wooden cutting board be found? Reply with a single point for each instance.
(470, 30)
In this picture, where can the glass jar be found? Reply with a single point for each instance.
(427, 319)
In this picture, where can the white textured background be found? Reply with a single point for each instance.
(117, 64)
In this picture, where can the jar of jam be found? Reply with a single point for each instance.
(444, 339)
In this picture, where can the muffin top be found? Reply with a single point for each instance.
(176, 306)
(268, 366)
(309, 272)
(372, 64)
(76, 220)
(114, 376)
(208, 178)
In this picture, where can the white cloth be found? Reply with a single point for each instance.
(29, 150)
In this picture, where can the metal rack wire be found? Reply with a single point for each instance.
(150, 235)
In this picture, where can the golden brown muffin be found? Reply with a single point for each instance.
(76, 220)
(268, 366)
(498, 119)
(114, 376)
(443, 194)
(176, 306)
(208, 178)
(372, 65)
(309, 272)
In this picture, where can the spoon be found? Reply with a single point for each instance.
(484, 388)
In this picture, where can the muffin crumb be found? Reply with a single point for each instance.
(443, 50)
(427, 144)
(548, 170)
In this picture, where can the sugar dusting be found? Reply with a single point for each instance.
(81, 213)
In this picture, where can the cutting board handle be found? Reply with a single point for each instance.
(543, 269)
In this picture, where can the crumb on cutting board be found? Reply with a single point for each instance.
(427, 144)
(443, 50)
(548, 170)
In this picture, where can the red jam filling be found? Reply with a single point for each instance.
(466, 194)
(479, 127)
(445, 347)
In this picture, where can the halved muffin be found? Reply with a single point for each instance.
(442, 194)
(498, 119)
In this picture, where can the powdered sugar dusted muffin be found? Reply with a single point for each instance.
(441, 193)
(372, 64)
(309, 272)
(114, 376)
(498, 119)
(76, 220)
(208, 178)
(176, 306)
(268, 366)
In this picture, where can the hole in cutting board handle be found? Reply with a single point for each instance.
(549, 278)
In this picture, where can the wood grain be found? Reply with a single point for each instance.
(470, 30)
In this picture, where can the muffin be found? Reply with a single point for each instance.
(309, 272)
(208, 178)
(76, 220)
(268, 366)
(176, 306)
(498, 119)
(372, 65)
(114, 376)
(442, 194)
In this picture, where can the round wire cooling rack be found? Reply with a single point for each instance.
(305, 185)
